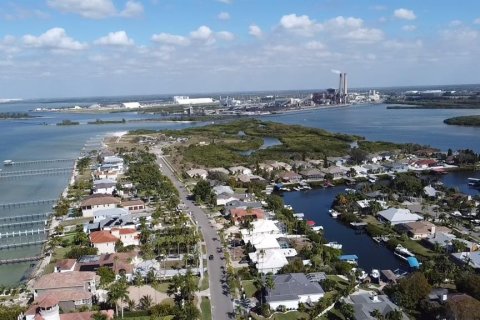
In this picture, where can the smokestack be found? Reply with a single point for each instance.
(345, 88)
(340, 89)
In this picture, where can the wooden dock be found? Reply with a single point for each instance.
(23, 233)
(20, 260)
(22, 223)
(21, 244)
(27, 203)
(24, 217)
(28, 173)
(34, 162)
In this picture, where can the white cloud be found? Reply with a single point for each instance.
(409, 28)
(92, 9)
(223, 16)
(315, 45)
(203, 33)
(405, 14)
(301, 25)
(255, 31)
(352, 29)
(171, 39)
(226, 1)
(132, 9)
(476, 21)
(54, 39)
(119, 39)
(455, 23)
(364, 35)
(225, 35)
(342, 22)
(96, 9)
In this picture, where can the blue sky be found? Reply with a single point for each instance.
(58, 48)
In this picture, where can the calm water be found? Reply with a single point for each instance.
(315, 205)
(23, 140)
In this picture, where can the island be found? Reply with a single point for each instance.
(473, 121)
(68, 123)
(15, 115)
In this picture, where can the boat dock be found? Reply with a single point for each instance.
(22, 223)
(27, 173)
(25, 217)
(21, 244)
(358, 225)
(34, 162)
(23, 233)
(20, 260)
(26, 204)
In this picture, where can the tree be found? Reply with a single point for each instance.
(469, 283)
(145, 302)
(203, 191)
(358, 155)
(80, 238)
(411, 290)
(98, 316)
(117, 293)
(394, 315)
(274, 202)
(347, 311)
(107, 276)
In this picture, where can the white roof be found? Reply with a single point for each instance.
(430, 191)
(269, 259)
(223, 189)
(102, 181)
(263, 241)
(259, 227)
(399, 215)
(112, 159)
(472, 257)
(112, 212)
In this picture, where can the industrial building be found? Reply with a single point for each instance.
(332, 96)
(185, 100)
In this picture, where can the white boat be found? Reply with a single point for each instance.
(362, 276)
(403, 253)
(8, 162)
(375, 275)
(334, 245)
(317, 228)
(334, 213)
(287, 206)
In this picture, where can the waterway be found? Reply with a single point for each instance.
(40, 138)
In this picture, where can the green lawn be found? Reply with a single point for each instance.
(74, 222)
(249, 288)
(340, 283)
(203, 285)
(206, 309)
(162, 287)
(292, 315)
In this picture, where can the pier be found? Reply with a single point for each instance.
(24, 217)
(34, 162)
(26, 204)
(24, 173)
(23, 223)
(23, 233)
(22, 244)
(20, 260)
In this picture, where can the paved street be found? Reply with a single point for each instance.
(222, 306)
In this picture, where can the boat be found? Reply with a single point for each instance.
(317, 228)
(474, 182)
(377, 239)
(288, 207)
(403, 253)
(375, 275)
(362, 275)
(334, 245)
(8, 163)
(334, 213)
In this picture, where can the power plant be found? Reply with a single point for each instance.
(342, 94)
(333, 96)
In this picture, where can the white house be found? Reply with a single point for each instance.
(262, 241)
(261, 227)
(110, 213)
(291, 289)
(98, 202)
(240, 170)
(222, 189)
(131, 105)
(197, 173)
(268, 260)
(104, 241)
(128, 236)
(396, 216)
(104, 186)
(224, 198)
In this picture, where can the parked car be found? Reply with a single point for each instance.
(210, 257)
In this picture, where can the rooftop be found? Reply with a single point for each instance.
(102, 237)
(291, 286)
(99, 199)
(64, 280)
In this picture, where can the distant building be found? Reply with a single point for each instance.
(238, 214)
(98, 202)
(185, 100)
(291, 289)
(131, 105)
(65, 265)
(395, 216)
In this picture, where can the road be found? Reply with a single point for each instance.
(222, 305)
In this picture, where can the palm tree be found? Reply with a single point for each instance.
(118, 292)
(145, 302)
(259, 283)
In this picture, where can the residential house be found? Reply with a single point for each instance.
(335, 171)
(218, 190)
(104, 186)
(262, 241)
(134, 206)
(267, 261)
(48, 308)
(240, 170)
(110, 213)
(446, 240)
(114, 161)
(396, 167)
(246, 178)
(122, 222)
(291, 289)
(290, 177)
(65, 265)
(121, 263)
(72, 289)
(423, 164)
(336, 161)
(221, 170)
(313, 174)
(364, 304)
(418, 229)
(430, 191)
(98, 202)
(243, 204)
(105, 240)
(278, 165)
(261, 227)
(197, 173)
(395, 216)
(224, 198)
(240, 214)
(374, 168)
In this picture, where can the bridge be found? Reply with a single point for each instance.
(27, 203)
(33, 162)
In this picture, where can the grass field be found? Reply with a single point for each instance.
(249, 288)
(206, 309)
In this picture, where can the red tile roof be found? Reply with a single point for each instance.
(238, 213)
(66, 264)
(125, 231)
(102, 237)
(64, 280)
(99, 199)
